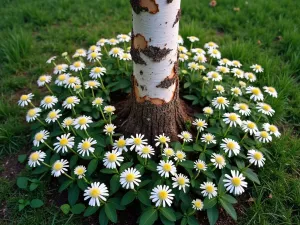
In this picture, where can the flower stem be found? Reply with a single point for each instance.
(259, 118)
(46, 164)
(49, 89)
(93, 92)
(49, 146)
(67, 175)
(32, 104)
(74, 132)
(102, 85)
(86, 133)
(197, 136)
(197, 175)
(41, 122)
(61, 126)
(226, 131)
(102, 113)
(243, 138)
(111, 139)
(82, 80)
(72, 151)
(86, 180)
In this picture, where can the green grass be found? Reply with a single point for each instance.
(31, 31)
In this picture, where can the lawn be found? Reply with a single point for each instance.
(253, 31)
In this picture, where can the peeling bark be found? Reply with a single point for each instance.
(177, 17)
(155, 53)
(169, 1)
(139, 6)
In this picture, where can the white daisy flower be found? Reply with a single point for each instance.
(265, 108)
(236, 63)
(80, 171)
(121, 144)
(255, 92)
(71, 82)
(115, 52)
(32, 114)
(211, 45)
(94, 48)
(249, 126)
(197, 204)
(232, 119)
(225, 62)
(257, 68)
(94, 56)
(97, 72)
(49, 101)
(193, 66)
(193, 38)
(52, 58)
(237, 73)
(180, 40)
(223, 69)
(165, 168)
(130, 178)
(181, 181)
(236, 91)
(53, 115)
(109, 129)
(61, 79)
(44, 79)
(102, 42)
(60, 68)
(198, 51)
(36, 157)
(64, 54)
(220, 102)
(109, 109)
(96, 193)
(242, 84)
(40, 137)
(219, 89)
(68, 122)
(180, 156)
(77, 88)
(64, 142)
(86, 146)
(183, 57)
(242, 108)
(77, 66)
(250, 76)
(162, 139)
(137, 142)
(79, 52)
(91, 84)
(200, 58)
(271, 91)
(214, 53)
(70, 102)
(263, 136)
(200, 124)
(256, 157)
(208, 110)
(215, 76)
(235, 183)
(25, 99)
(123, 38)
(125, 56)
(146, 151)
(168, 152)
(185, 136)
(82, 122)
(112, 159)
(205, 79)
(59, 167)
(162, 195)
(272, 129)
(200, 165)
(230, 146)
(208, 189)
(98, 101)
(218, 161)
(208, 138)
(112, 41)
(182, 49)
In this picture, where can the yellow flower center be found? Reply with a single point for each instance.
(82, 121)
(181, 181)
(63, 141)
(95, 192)
(146, 150)
(225, 60)
(236, 181)
(266, 107)
(130, 177)
(223, 69)
(273, 128)
(167, 167)
(112, 157)
(220, 100)
(214, 75)
(255, 91)
(34, 156)
(121, 143)
(52, 115)
(70, 100)
(257, 156)
(200, 124)
(220, 159)
(86, 145)
(209, 138)
(201, 67)
(257, 67)
(80, 51)
(72, 80)
(271, 89)
(80, 171)
(211, 44)
(264, 134)
(39, 136)
(209, 188)
(24, 97)
(233, 117)
(98, 101)
(77, 64)
(251, 125)
(109, 129)
(31, 112)
(186, 136)
(115, 51)
(215, 51)
(243, 106)
(230, 145)
(208, 111)
(236, 63)
(169, 152)
(78, 86)
(94, 55)
(238, 72)
(163, 195)
(162, 139)
(179, 155)
(68, 122)
(59, 67)
(43, 78)
(137, 141)
(200, 166)
(97, 70)
(48, 99)
(62, 77)
(250, 75)
(93, 47)
(58, 166)
(92, 83)
(198, 204)
(112, 40)
(109, 109)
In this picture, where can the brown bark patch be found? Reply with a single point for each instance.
(156, 53)
(139, 42)
(144, 6)
(178, 15)
(169, 80)
(169, 1)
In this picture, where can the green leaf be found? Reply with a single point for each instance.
(151, 166)
(128, 198)
(176, 145)
(183, 221)
(22, 182)
(22, 158)
(143, 196)
(36, 203)
(40, 169)
(114, 184)
(192, 220)
(110, 212)
(117, 203)
(197, 147)
(187, 164)
(168, 213)
(212, 215)
(65, 185)
(108, 171)
(82, 184)
(78, 208)
(90, 210)
(209, 203)
(165, 221)
(73, 161)
(92, 167)
(240, 163)
(33, 186)
(190, 97)
(73, 194)
(186, 84)
(103, 220)
(229, 208)
(125, 166)
(148, 217)
(65, 208)
(229, 199)
(251, 175)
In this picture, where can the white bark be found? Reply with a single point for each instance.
(159, 30)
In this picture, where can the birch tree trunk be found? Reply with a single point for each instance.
(154, 107)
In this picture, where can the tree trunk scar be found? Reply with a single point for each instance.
(169, 1)
(169, 80)
(144, 6)
(177, 17)
(155, 53)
